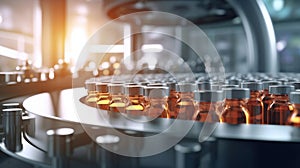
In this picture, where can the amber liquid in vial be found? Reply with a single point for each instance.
(135, 105)
(92, 97)
(294, 118)
(255, 107)
(103, 101)
(117, 103)
(235, 112)
(157, 108)
(267, 101)
(172, 100)
(206, 112)
(185, 107)
(279, 111)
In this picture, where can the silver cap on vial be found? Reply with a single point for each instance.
(102, 87)
(267, 84)
(281, 89)
(208, 95)
(156, 92)
(236, 93)
(295, 97)
(186, 87)
(115, 88)
(253, 86)
(90, 85)
(133, 90)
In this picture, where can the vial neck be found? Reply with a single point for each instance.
(284, 98)
(235, 102)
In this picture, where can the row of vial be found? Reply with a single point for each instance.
(247, 101)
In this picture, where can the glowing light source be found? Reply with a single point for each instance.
(278, 5)
(152, 48)
(281, 45)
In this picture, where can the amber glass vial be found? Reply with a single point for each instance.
(185, 107)
(90, 86)
(266, 97)
(294, 118)
(172, 99)
(116, 97)
(103, 96)
(281, 108)
(235, 106)
(255, 104)
(156, 99)
(207, 105)
(134, 100)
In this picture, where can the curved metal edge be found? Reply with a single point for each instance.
(29, 154)
(260, 34)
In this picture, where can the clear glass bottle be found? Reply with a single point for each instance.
(185, 107)
(281, 108)
(90, 86)
(255, 104)
(266, 97)
(134, 105)
(116, 97)
(207, 105)
(156, 102)
(103, 96)
(294, 118)
(235, 106)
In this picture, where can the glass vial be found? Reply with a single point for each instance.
(207, 105)
(103, 96)
(294, 118)
(185, 107)
(134, 100)
(235, 106)
(255, 104)
(90, 86)
(116, 97)
(172, 99)
(281, 108)
(266, 98)
(156, 102)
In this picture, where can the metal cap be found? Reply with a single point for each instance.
(281, 89)
(102, 87)
(229, 86)
(253, 86)
(296, 84)
(204, 85)
(234, 81)
(156, 84)
(90, 85)
(208, 96)
(133, 90)
(115, 88)
(172, 85)
(156, 92)
(236, 93)
(267, 84)
(295, 97)
(186, 87)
